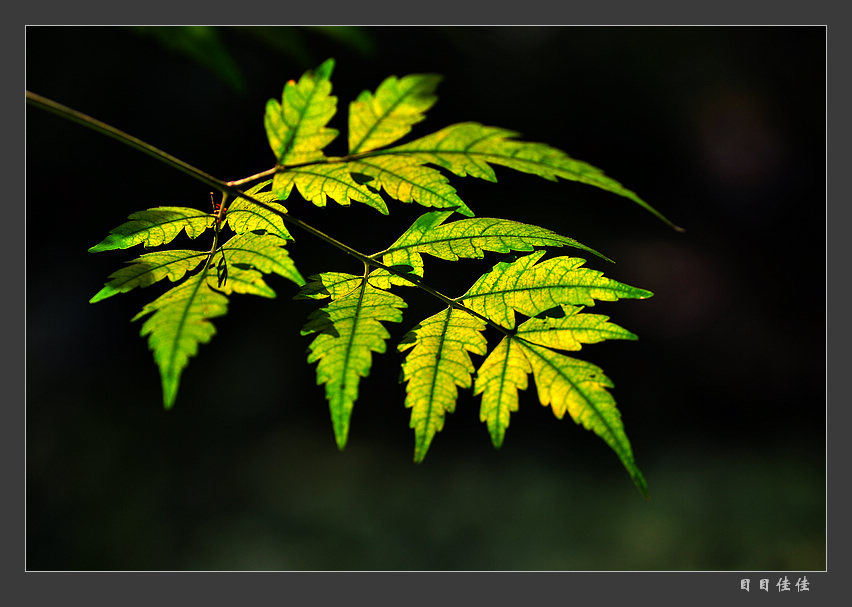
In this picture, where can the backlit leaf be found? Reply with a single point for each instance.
(498, 380)
(155, 227)
(580, 388)
(245, 216)
(149, 268)
(349, 330)
(468, 238)
(296, 126)
(531, 289)
(437, 365)
(179, 323)
(376, 120)
(318, 182)
(470, 148)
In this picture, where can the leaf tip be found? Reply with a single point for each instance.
(323, 72)
(101, 295)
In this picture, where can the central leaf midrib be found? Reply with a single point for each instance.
(151, 269)
(540, 288)
(296, 129)
(182, 321)
(433, 382)
(426, 243)
(351, 339)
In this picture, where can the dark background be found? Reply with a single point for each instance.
(723, 397)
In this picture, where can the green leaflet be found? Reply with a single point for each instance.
(259, 253)
(180, 321)
(437, 364)
(245, 216)
(155, 227)
(578, 387)
(409, 182)
(531, 289)
(317, 182)
(296, 126)
(181, 316)
(349, 330)
(468, 148)
(468, 238)
(572, 330)
(498, 380)
(379, 119)
(150, 268)
(564, 383)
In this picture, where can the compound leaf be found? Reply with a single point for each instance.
(155, 227)
(437, 365)
(376, 120)
(349, 330)
(180, 319)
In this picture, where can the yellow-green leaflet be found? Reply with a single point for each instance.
(296, 126)
(318, 182)
(522, 286)
(376, 120)
(245, 216)
(437, 364)
(155, 227)
(467, 238)
(180, 321)
(149, 268)
(349, 330)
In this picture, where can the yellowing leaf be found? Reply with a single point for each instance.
(580, 388)
(437, 364)
(380, 119)
(572, 330)
(180, 321)
(409, 182)
(261, 253)
(468, 238)
(469, 148)
(499, 378)
(349, 330)
(181, 316)
(532, 289)
(318, 182)
(296, 126)
(149, 268)
(245, 216)
(155, 227)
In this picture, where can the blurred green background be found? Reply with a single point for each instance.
(723, 397)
